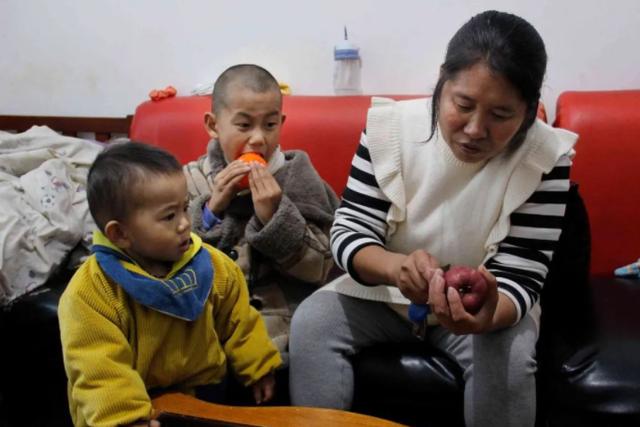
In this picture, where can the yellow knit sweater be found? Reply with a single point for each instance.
(116, 349)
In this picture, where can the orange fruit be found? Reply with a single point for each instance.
(252, 157)
(248, 158)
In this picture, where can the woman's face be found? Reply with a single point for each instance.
(479, 113)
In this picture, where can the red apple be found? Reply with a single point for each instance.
(471, 285)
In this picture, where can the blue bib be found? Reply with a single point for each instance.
(183, 295)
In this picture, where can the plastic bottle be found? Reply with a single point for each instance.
(347, 66)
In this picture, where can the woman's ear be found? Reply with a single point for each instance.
(117, 234)
(210, 125)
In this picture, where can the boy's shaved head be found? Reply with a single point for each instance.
(248, 76)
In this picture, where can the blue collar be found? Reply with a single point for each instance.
(182, 294)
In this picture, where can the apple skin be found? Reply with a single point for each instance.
(248, 158)
(471, 285)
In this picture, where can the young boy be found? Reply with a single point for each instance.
(153, 307)
(278, 229)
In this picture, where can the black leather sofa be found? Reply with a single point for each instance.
(588, 355)
(33, 384)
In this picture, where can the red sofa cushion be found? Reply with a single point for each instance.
(607, 169)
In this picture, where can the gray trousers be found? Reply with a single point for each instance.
(328, 328)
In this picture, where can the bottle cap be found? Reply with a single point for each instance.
(344, 49)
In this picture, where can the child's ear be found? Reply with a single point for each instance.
(210, 124)
(117, 234)
(284, 117)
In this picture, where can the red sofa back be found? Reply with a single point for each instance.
(607, 169)
(326, 127)
(175, 124)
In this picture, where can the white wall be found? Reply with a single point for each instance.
(101, 58)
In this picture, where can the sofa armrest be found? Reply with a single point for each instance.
(32, 371)
(617, 307)
(601, 377)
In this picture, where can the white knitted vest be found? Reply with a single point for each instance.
(456, 211)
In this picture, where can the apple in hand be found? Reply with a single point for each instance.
(471, 285)
(248, 158)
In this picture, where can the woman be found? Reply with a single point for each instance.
(487, 189)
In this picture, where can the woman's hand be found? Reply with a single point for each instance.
(264, 388)
(408, 273)
(225, 186)
(265, 192)
(446, 304)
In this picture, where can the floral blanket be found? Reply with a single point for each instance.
(44, 213)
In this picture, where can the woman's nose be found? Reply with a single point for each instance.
(476, 127)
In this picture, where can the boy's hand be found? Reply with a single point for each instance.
(265, 192)
(225, 185)
(264, 388)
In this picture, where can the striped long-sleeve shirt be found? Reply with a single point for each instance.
(522, 260)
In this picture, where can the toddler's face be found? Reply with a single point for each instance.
(250, 122)
(159, 227)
